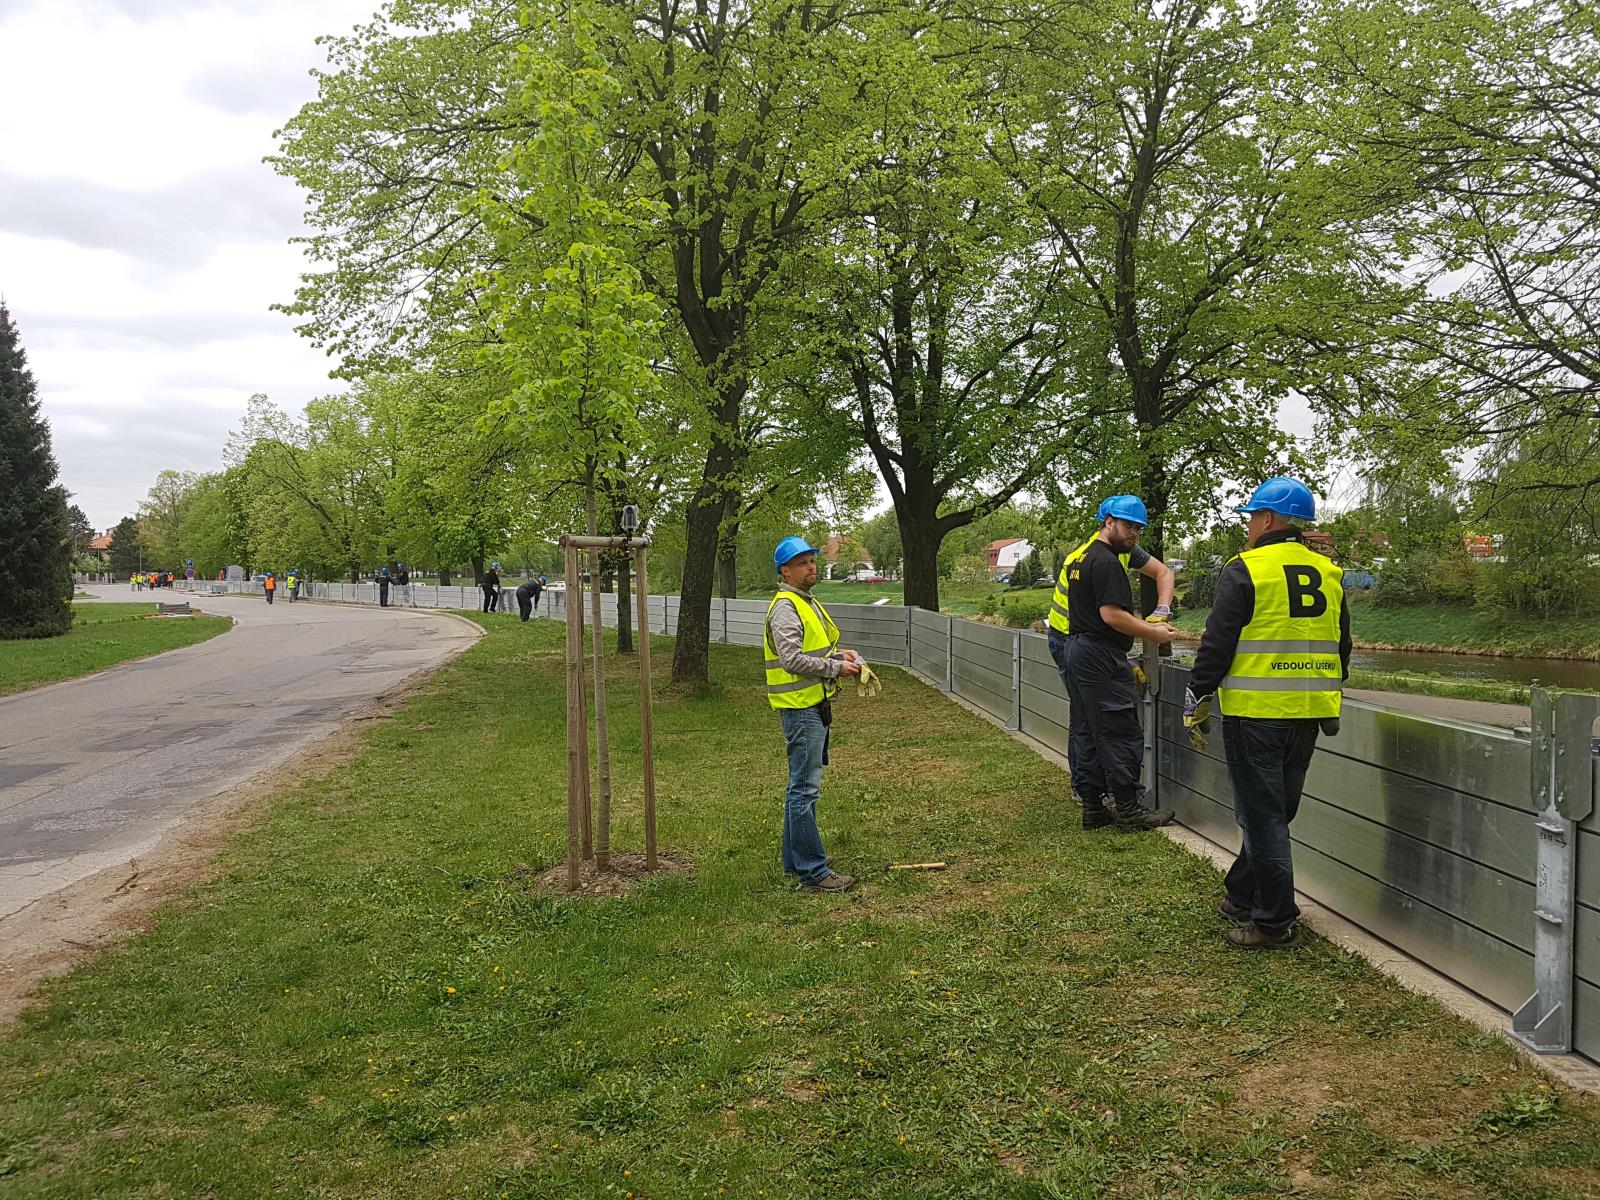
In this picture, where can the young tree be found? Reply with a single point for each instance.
(35, 535)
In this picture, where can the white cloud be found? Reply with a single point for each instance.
(142, 239)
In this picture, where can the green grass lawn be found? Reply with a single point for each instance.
(959, 598)
(102, 636)
(370, 1001)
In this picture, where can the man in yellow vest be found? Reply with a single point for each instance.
(1107, 743)
(1275, 653)
(1060, 628)
(804, 666)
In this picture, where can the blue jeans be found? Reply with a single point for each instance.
(1267, 762)
(807, 737)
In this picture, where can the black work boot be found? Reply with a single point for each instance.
(1097, 812)
(1130, 814)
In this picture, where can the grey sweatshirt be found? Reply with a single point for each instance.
(788, 635)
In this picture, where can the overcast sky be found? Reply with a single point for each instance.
(142, 238)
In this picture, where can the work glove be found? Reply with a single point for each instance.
(1139, 676)
(1196, 718)
(1329, 726)
(1161, 616)
(867, 683)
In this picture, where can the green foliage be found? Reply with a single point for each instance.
(125, 555)
(1201, 591)
(1023, 612)
(1022, 574)
(35, 533)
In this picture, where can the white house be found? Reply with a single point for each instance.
(1005, 554)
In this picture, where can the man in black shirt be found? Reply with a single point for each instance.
(1107, 744)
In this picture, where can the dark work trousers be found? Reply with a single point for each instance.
(1267, 761)
(269, 595)
(1057, 641)
(525, 603)
(383, 593)
(491, 596)
(1107, 744)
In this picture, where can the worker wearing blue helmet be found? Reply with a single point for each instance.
(1059, 632)
(383, 580)
(804, 665)
(1274, 655)
(1106, 741)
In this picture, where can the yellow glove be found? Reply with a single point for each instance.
(1161, 616)
(1197, 718)
(1139, 676)
(867, 683)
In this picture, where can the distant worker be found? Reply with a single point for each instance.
(1107, 743)
(1275, 654)
(526, 594)
(804, 665)
(269, 585)
(539, 584)
(402, 580)
(491, 587)
(1060, 627)
(293, 580)
(384, 580)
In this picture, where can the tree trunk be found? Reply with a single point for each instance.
(703, 525)
(477, 570)
(920, 536)
(1154, 489)
(355, 571)
(728, 575)
(444, 576)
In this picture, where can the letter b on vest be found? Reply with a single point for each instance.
(1306, 598)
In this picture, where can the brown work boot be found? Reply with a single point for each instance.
(1253, 937)
(1236, 913)
(833, 883)
(1129, 814)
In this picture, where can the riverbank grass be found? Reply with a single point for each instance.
(372, 1000)
(102, 636)
(1458, 629)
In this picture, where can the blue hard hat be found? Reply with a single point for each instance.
(1280, 494)
(495, 565)
(791, 547)
(1100, 513)
(1125, 508)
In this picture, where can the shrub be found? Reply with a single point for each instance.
(1022, 611)
(1202, 590)
(1427, 577)
(1547, 588)
(989, 605)
(1022, 575)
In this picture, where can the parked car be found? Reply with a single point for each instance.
(865, 577)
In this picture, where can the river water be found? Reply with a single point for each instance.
(1554, 672)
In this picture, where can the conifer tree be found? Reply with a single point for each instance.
(35, 546)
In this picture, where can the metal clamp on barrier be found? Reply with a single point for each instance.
(1563, 792)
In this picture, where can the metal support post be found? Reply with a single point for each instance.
(1016, 682)
(1563, 793)
(950, 655)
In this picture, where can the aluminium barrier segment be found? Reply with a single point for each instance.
(1428, 833)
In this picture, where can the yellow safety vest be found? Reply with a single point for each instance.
(1058, 618)
(1287, 661)
(821, 638)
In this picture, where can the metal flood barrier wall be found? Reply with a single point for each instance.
(1429, 833)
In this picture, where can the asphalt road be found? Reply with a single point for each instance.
(95, 771)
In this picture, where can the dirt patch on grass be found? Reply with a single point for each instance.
(625, 872)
